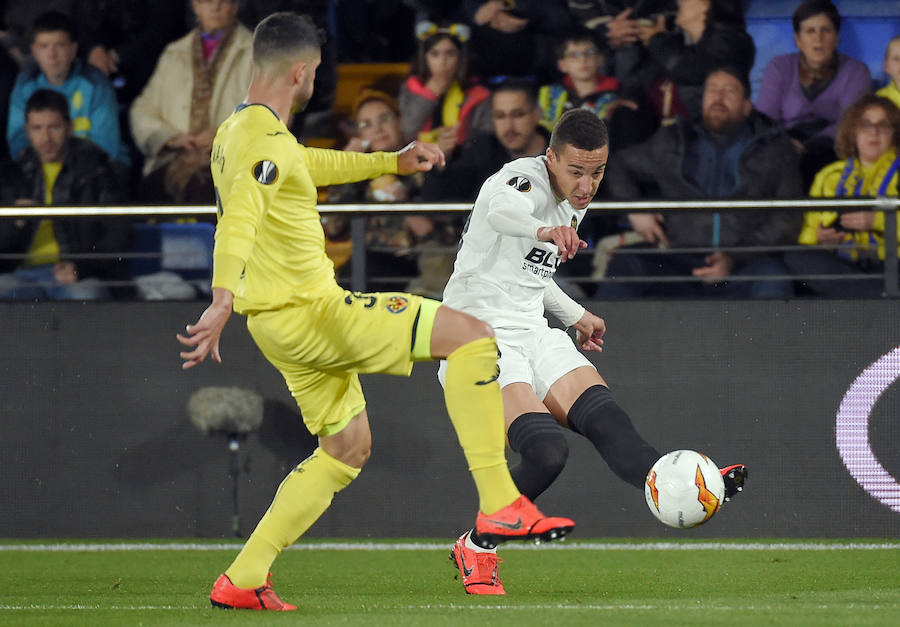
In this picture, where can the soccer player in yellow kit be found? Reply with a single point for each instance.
(269, 264)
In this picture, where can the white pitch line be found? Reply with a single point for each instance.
(65, 547)
(703, 607)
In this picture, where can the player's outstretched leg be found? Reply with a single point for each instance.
(734, 477)
(301, 499)
(597, 416)
(475, 406)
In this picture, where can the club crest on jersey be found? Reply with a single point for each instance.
(265, 172)
(396, 304)
(574, 222)
(520, 183)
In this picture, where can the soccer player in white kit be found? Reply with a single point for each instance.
(522, 226)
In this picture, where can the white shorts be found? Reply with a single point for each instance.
(538, 357)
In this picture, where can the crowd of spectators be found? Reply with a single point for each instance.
(110, 102)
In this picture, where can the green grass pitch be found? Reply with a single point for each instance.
(413, 583)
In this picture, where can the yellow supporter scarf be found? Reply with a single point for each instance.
(453, 102)
(857, 181)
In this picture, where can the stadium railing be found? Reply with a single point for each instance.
(360, 280)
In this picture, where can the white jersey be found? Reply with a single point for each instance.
(501, 278)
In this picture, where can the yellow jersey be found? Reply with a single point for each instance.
(269, 243)
(849, 179)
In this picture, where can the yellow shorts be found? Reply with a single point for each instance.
(320, 347)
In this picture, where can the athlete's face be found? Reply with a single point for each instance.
(515, 119)
(303, 89)
(576, 173)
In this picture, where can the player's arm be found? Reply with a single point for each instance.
(511, 212)
(256, 179)
(334, 167)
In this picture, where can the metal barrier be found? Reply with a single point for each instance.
(358, 213)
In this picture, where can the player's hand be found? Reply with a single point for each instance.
(566, 240)
(419, 156)
(589, 332)
(203, 337)
(650, 227)
(718, 265)
(858, 220)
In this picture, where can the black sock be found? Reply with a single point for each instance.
(598, 417)
(541, 443)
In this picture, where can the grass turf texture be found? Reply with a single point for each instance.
(643, 583)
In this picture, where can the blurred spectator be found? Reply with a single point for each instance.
(314, 120)
(891, 91)
(59, 169)
(8, 72)
(377, 119)
(439, 103)
(123, 39)
(616, 26)
(197, 83)
(732, 152)
(706, 34)
(515, 37)
(18, 18)
(868, 139)
(517, 132)
(807, 91)
(92, 101)
(583, 86)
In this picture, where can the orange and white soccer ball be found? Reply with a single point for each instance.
(684, 489)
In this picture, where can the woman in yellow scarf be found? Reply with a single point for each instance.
(868, 139)
(440, 102)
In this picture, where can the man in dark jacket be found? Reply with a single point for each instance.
(517, 133)
(59, 169)
(732, 152)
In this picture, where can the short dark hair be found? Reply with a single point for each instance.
(282, 34)
(809, 8)
(524, 85)
(48, 100)
(736, 72)
(579, 128)
(579, 35)
(53, 21)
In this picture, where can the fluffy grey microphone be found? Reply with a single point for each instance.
(234, 412)
(226, 410)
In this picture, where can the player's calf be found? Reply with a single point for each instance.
(539, 440)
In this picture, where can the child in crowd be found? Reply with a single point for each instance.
(584, 86)
(440, 102)
(891, 91)
(580, 62)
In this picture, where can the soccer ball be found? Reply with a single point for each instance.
(684, 489)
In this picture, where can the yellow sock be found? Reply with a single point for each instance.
(302, 497)
(475, 405)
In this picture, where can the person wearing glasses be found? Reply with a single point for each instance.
(584, 86)
(868, 138)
